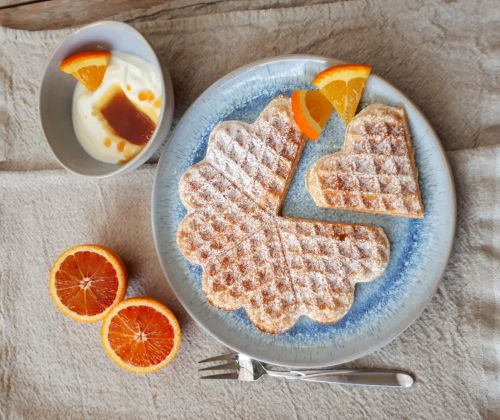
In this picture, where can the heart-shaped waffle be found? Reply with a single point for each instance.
(374, 171)
(274, 267)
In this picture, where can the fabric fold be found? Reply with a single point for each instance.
(443, 55)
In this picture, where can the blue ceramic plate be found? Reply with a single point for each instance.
(419, 247)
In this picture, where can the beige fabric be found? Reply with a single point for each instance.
(444, 55)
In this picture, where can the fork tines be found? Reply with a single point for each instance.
(232, 364)
(229, 356)
(226, 366)
(232, 375)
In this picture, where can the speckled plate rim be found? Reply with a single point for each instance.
(404, 322)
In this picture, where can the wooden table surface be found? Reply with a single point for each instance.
(53, 14)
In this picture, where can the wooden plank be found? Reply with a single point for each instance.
(54, 14)
(62, 13)
(13, 3)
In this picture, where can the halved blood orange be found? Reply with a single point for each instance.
(311, 111)
(141, 335)
(86, 281)
(343, 86)
(88, 67)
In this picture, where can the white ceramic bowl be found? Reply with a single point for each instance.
(56, 95)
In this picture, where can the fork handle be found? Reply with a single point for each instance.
(368, 377)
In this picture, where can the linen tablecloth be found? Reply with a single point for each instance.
(445, 55)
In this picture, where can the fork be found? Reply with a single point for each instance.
(244, 368)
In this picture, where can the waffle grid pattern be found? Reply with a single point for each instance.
(257, 160)
(276, 268)
(374, 172)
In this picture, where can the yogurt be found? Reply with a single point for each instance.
(141, 84)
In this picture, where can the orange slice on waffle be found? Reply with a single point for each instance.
(86, 281)
(311, 111)
(141, 335)
(87, 67)
(343, 86)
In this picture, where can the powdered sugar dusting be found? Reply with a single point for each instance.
(374, 171)
(276, 268)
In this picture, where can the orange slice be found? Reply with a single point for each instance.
(141, 335)
(88, 67)
(311, 111)
(343, 86)
(86, 281)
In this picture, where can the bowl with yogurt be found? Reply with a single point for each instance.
(106, 104)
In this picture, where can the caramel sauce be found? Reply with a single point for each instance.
(146, 95)
(125, 119)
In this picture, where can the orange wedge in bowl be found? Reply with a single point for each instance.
(141, 335)
(343, 86)
(311, 111)
(86, 281)
(87, 67)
